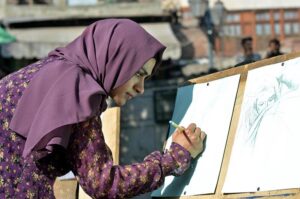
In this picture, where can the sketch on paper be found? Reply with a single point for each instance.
(267, 101)
(210, 108)
(265, 154)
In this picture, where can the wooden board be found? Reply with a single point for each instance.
(111, 130)
(243, 71)
(65, 189)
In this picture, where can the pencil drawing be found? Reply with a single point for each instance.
(266, 101)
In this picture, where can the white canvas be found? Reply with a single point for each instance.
(210, 107)
(266, 150)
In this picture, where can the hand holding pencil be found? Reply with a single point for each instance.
(191, 138)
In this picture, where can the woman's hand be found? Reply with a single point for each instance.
(194, 140)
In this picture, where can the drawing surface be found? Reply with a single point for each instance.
(266, 150)
(210, 106)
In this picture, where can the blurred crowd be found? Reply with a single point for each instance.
(250, 56)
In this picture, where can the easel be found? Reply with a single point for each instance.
(243, 71)
(111, 129)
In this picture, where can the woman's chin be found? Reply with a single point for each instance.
(120, 102)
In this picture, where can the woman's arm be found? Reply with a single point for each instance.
(92, 163)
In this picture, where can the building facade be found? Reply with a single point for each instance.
(262, 20)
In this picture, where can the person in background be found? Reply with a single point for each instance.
(274, 48)
(248, 55)
(175, 8)
(50, 117)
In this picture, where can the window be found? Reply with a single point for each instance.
(276, 16)
(263, 29)
(232, 30)
(277, 28)
(237, 30)
(296, 28)
(290, 14)
(263, 16)
(225, 30)
(288, 28)
(259, 29)
(232, 18)
(236, 18)
(267, 29)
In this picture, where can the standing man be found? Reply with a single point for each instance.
(175, 8)
(249, 56)
(274, 48)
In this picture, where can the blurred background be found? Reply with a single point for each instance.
(201, 36)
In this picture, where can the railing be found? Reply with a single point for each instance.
(51, 2)
(34, 9)
(29, 2)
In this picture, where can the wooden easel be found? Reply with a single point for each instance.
(243, 71)
(66, 189)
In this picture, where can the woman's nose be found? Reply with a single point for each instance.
(139, 87)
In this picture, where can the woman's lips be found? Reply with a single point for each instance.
(129, 96)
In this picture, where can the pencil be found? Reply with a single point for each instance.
(181, 129)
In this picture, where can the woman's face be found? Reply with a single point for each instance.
(134, 86)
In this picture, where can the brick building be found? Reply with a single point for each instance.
(262, 20)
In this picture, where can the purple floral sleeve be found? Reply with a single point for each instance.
(93, 165)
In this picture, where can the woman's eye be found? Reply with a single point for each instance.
(138, 74)
(141, 73)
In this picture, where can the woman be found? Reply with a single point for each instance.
(50, 120)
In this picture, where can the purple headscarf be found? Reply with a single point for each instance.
(74, 88)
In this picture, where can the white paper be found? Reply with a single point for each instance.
(68, 176)
(210, 107)
(266, 150)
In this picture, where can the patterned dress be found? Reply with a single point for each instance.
(87, 156)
